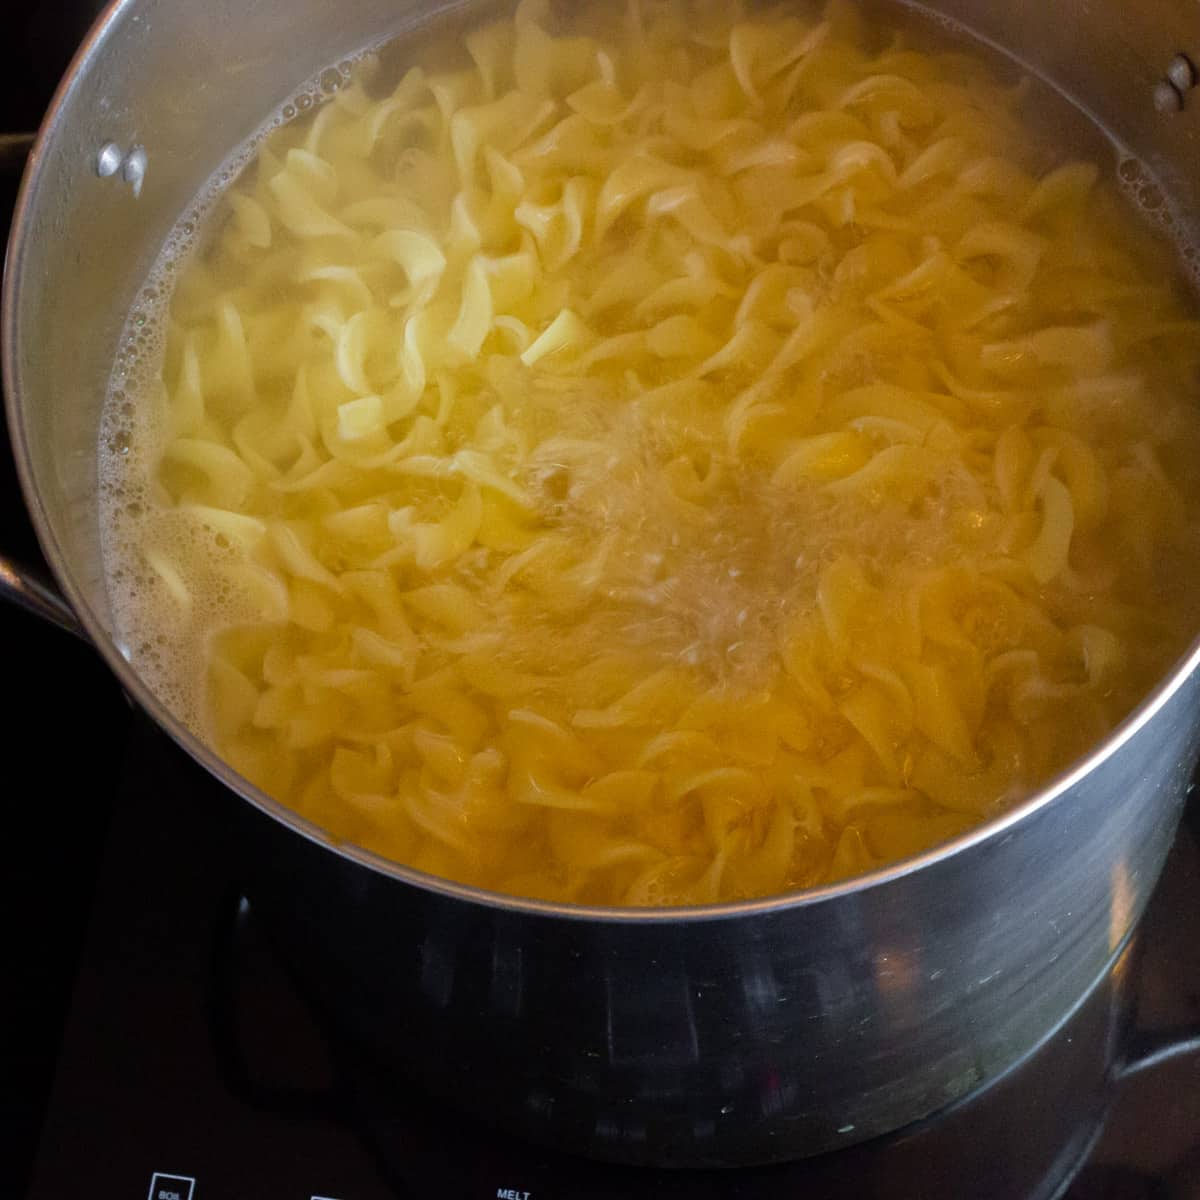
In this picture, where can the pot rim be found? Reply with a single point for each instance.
(107, 25)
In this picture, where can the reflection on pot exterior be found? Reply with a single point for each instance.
(437, 971)
(1121, 901)
(507, 985)
(653, 1030)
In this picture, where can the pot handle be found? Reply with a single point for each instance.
(33, 591)
(14, 150)
(1152, 1048)
(21, 585)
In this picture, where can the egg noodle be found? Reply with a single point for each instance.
(661, 455)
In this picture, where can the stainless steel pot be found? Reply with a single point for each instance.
(734, 1034)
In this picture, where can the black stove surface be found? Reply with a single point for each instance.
(189, 1067)
(189, 1055)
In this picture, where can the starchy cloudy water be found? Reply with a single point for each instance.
(658, 454)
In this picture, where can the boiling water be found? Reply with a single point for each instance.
(701, 587)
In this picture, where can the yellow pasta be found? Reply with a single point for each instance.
(662, 455)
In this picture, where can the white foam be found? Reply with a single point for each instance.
(170, 648)
(1154, 204)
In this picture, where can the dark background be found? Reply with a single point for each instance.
(65, 719)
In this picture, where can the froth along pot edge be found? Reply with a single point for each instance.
(734, 1034)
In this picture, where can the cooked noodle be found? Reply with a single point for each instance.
(692, 455)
